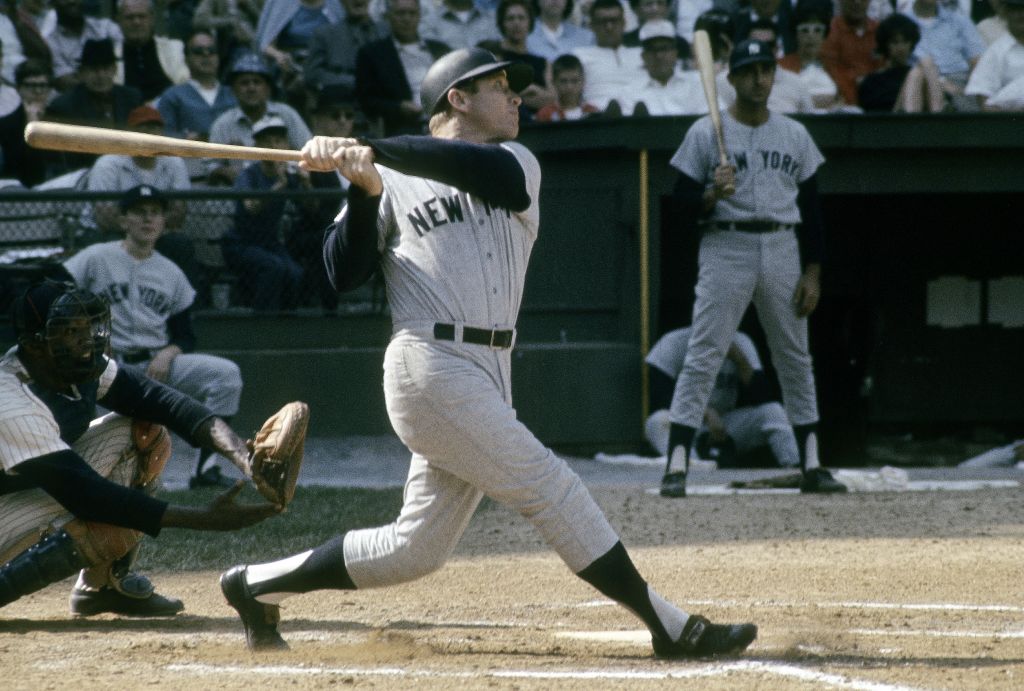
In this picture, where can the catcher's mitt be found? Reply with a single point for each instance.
(277, 452)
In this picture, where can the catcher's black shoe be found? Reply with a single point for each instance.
(211, 477)
(135, 598)
(673, 485)
(701, 638)
(258, 620)
(820, 481)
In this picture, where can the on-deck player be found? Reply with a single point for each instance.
(75, 492)
(752, 246)
(451, 219)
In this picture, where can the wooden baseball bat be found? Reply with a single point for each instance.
(706, 67)
(100, 140)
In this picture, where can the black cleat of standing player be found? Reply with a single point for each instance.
(258, 620)
(820, 481)
(673, 485)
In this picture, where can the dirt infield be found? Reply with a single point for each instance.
(870, 591)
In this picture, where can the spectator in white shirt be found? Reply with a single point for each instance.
(613, 71)
(553, 34)
(998, 79)
(667, 90)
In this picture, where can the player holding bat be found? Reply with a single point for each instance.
(760, 218)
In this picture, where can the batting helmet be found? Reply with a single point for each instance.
(464, 65)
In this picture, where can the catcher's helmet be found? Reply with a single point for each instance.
(464, 65)
(73, 324)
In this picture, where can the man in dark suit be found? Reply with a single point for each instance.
(330, 67)
(95, 101)
(389, 71)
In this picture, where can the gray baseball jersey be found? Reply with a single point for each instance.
(449, 257)
(142, 294)
(760, 265)
(771, 160)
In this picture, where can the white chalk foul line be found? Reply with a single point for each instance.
(907, 606)
(937, 634)
(704, 671)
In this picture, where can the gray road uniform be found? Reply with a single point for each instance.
(749, 426)
(451, 263)
(149, 302)
(749, 252)
(753, 249)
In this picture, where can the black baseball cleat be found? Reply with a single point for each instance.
(820, 481)
(258, 620)
(136, 598)
(701, 638)
(211, 477)
(673, 485)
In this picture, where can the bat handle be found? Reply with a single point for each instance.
(723, 159)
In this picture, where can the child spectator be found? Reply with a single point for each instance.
(568, 80)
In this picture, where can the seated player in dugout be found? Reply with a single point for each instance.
(743, 425)
(76, 492)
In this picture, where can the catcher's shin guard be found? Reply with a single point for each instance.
(52, 559)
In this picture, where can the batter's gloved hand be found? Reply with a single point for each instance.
(277, 452)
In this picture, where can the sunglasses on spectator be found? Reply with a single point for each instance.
(811, 29)
(203, 51)
(38, 86)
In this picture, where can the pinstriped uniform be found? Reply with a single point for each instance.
(29, 430)
(449, 257)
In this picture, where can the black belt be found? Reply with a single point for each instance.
(132, 357)
(488, 337)
(752, 226)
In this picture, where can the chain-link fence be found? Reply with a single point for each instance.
(39, 229)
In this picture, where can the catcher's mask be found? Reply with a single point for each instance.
(73, 325)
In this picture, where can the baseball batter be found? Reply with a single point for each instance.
(75, 493)
(746, 427)
(450, 219)
(151, 318)
(750, 251)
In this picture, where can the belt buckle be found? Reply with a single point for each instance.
(491, 344)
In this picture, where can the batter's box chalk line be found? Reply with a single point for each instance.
(663, 672)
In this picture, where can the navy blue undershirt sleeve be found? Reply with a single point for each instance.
(688, 199)
(350, 245)
(134, 395)
(488, 171)
(87, 495)
(179, 328)
(662, 387)
(811, 232)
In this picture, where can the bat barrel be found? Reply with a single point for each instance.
(56, 136)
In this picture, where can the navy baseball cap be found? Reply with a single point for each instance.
(250, 63)
(140, 194)
(749, 53)
(463, 65)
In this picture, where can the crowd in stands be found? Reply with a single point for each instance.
(275, 71)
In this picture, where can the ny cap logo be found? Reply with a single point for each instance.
(754, 49)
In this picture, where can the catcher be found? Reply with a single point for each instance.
(76, 492)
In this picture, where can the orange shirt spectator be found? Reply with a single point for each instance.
(848, 53)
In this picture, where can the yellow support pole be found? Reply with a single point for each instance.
(645, 286)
